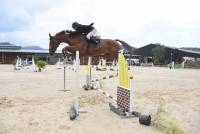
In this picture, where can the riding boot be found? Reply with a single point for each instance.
(95, 41)
(98, 45)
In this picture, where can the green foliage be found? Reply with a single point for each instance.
(165, 123)
(177, 65)
(195, 63)
(161, 108)
(14, 62)
(168, 125)
(41, 64)
(159, 54)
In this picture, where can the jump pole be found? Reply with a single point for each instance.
(75, 109)
(77, 63)
(64, 82)
(64, 75)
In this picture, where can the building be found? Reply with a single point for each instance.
(173, 54)
(9, 53)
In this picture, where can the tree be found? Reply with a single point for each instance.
(159, 54)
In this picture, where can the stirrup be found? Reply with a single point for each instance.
(97, 45)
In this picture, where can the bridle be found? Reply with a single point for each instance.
(53, 43)
(53, 40)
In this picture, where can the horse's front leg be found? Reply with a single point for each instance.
(71, 49)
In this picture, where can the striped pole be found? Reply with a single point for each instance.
(105, 77)
(107, 94)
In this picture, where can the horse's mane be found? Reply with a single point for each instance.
(73, 33)
(61, 32)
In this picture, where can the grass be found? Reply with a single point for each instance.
(177, 65)
(165, 123)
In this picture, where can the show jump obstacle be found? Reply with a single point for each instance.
(23, 64)
(124, 90)
(124, 101)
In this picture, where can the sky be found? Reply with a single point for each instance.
(173, 23)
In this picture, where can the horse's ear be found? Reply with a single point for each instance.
(50, 36)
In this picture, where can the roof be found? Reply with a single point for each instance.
(28, 51)
(189, 51)
(5, 43)
(147, 51)
(11, 48)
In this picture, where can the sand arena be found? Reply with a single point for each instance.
(31, 102)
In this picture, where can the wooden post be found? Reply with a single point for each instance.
(2, 57)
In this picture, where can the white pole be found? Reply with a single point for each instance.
(77, 82)
(64, 73)
(58, 64)
(173, 64)
(118, 69)
(104, 62)
(33, 64)
(99, 65)
(26, 61)
(17, 63)
(88, 75)
(131, 95)
(74, 64)
(33, 61)
(183, 64)
(20, 61)
(90, 69)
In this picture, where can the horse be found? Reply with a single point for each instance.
(79, 43)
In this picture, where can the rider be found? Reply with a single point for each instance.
(89, 30)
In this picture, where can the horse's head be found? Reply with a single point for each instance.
(53, 44)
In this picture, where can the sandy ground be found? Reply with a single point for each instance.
(34, 103)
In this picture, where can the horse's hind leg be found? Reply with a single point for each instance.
(71, 49)
(113, 56)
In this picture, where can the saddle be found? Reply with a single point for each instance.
(93, 40)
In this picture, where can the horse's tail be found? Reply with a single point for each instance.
(123, 44)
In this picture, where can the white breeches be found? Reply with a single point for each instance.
(92, 33)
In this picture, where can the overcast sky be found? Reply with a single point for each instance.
(138, 22)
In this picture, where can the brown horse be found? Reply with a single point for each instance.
(79, 43)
